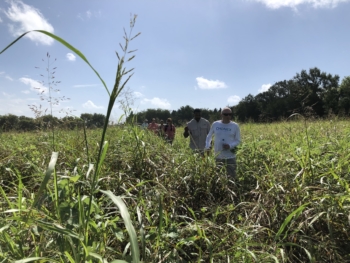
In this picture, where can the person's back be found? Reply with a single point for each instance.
(153, 126)
(169, 131)
(144, 125)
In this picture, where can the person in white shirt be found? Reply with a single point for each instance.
(227, 138)
(197, 129)
(144, 125)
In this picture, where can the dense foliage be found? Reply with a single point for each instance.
(290, 202)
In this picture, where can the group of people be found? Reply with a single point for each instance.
(226, 132)
(166, 131)
(227, 138)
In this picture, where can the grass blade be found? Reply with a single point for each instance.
(135, 253)
(49, 171)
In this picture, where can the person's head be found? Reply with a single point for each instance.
(153, 120)
(226, 115)
(169, 120)
(145, 120)
(161, 121)
(197, 114)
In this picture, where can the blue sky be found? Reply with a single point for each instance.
(202, 53)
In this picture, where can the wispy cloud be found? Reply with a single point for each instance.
(3, 75)
(90, 105)
(157, 102)
(264, 87)
(34, 85)
(203, 83)
(85, 85)
(10, 104)
(71, 57)
(25, 91)
(24, 18)
(275, 4)
(233, 100)
(138, 94)
(88, 15)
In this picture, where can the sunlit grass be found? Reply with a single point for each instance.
(290, 202)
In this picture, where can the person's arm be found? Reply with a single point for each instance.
(237, 139)
(209, 138)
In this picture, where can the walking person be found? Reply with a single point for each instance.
(227, 138)
(197, 129)
(169, 131)
(144, 125)
(153, 126)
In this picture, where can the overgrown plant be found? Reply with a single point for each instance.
(79, 247)
(46, 93)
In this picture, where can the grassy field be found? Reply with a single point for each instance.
(159, 203)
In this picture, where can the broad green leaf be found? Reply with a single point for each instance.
(48, 174)
(135, 253)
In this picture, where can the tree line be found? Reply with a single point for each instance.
(12, 122)
(313, 93)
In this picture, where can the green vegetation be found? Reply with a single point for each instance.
(290, 202)
(122, 194)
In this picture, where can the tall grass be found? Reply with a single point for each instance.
(141, 199)
(81, 247)
(182, 208)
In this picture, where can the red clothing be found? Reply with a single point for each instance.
(153, 127)
(169, 131)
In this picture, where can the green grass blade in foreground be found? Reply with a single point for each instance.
(49, 171)
(289, 218)
(135, 253)
(65, 43)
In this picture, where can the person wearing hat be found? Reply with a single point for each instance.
(197, 129)
(144, 125)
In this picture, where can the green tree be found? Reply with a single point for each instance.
(344, 96)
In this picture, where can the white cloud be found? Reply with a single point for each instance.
(70, 57)
(2, 72)
(157, 102)
(34, 85)
(203, 83)
(10, 104)
(90, 105)
(85, 85)
(25, 18)
(9, 78)
(88, 14)
(275, 4)
(264, 87)
(0, 20)
(25, 91)
(233, 100)
(138, 94)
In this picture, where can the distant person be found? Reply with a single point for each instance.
(144, 125)
(153, 126)
(169, 131)
(227, 138)
(198, 129)
(161, 129)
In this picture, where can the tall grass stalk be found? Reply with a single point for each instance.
(119, 85)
